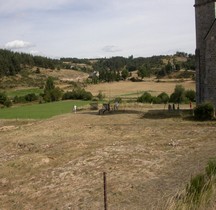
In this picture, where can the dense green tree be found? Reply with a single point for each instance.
(125, 74)
(178, 96)
(143, 71)
(49, 84)
(191, 95)
(51, 93)
(168, 68)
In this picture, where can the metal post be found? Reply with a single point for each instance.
(105, 191)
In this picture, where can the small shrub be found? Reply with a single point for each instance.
(156, 100)
(19, 99)
(4, 100)
(87, 96)
(145, 98)
(31, 97)
(204, 112)
(8, 103)
(3, 97)
(164, 97)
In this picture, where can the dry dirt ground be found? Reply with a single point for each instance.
(58, 163)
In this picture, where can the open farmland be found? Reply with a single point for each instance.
(133, 89)
(58, 163)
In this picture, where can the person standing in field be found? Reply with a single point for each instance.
(190, 105)
(74, 108)
(116, 105)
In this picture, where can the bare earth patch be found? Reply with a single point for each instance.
(59, 163)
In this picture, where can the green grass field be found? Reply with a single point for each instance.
(23, 92)
(40, 111)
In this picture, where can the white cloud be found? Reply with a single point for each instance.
(18, 44)
(111, 48)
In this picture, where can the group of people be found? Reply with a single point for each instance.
(106, 107)
(172, 107)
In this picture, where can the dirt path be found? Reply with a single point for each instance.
(58, 163)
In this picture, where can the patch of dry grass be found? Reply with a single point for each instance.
(58, 163)
(115, 89)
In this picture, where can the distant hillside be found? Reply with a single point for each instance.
(33, 70)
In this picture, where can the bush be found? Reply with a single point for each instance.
(156, 100)
(19, 99)
(77, 93)
(3, 97)
(4, 100)
(204, 112)
(31, 97)
(164, 97)
(8, 103)
(145, 98)
(53, 95)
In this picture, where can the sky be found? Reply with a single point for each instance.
(97, 28)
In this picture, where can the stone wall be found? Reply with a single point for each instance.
(205, 51)
(210, 83)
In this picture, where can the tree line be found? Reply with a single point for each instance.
(119, 68)
(11, 63)
(110, 69)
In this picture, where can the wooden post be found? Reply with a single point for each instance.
(105, 191)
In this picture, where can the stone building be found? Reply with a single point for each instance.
(205, 11)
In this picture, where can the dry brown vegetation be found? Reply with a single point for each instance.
(58, 163)
(128, 88)
(28, 78)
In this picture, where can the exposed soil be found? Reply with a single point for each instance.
(59, 163)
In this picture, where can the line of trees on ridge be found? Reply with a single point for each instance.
(110, 69)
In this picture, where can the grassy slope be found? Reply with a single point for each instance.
(40, 111)
(23, 92)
